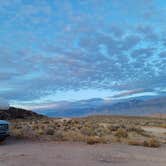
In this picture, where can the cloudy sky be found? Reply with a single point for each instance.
(52, 50)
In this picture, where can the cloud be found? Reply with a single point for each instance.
(80, 46)
(162, 54)
(128, 93)
(148, 32)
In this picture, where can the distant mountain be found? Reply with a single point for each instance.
(133, 106)
(17, 113)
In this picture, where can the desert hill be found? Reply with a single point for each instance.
(17, 113)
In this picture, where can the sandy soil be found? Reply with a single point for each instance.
(155, 130)
(26, 153)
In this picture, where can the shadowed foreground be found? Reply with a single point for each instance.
(25, 153)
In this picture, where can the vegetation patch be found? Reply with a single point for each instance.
(92, 130)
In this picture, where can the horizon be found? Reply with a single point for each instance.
(54, 51)
(111, 100)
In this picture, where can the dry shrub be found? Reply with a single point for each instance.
(135, 129)
(46, 122)
(152, 143)
(88, 131)
(148, 143)
(102, 131)
(50, 131)
(17, 133)
(58, 136)
(135, 143)
(24, 132)
(121, 133)
(95, 140)
(74, 136)
(40, 132)
(163, 125)
(113, 127)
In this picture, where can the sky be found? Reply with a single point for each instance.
(53, 50)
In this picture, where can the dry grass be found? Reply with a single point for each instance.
(95, 129)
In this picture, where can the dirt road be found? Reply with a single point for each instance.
(25, 153)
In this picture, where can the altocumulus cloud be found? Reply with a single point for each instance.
(83, 45)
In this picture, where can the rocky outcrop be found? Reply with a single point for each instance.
(17, 113)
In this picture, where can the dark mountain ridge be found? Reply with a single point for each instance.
(17, 113)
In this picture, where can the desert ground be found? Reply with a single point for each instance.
(29, 153)
(89, 141)
(140, 131)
